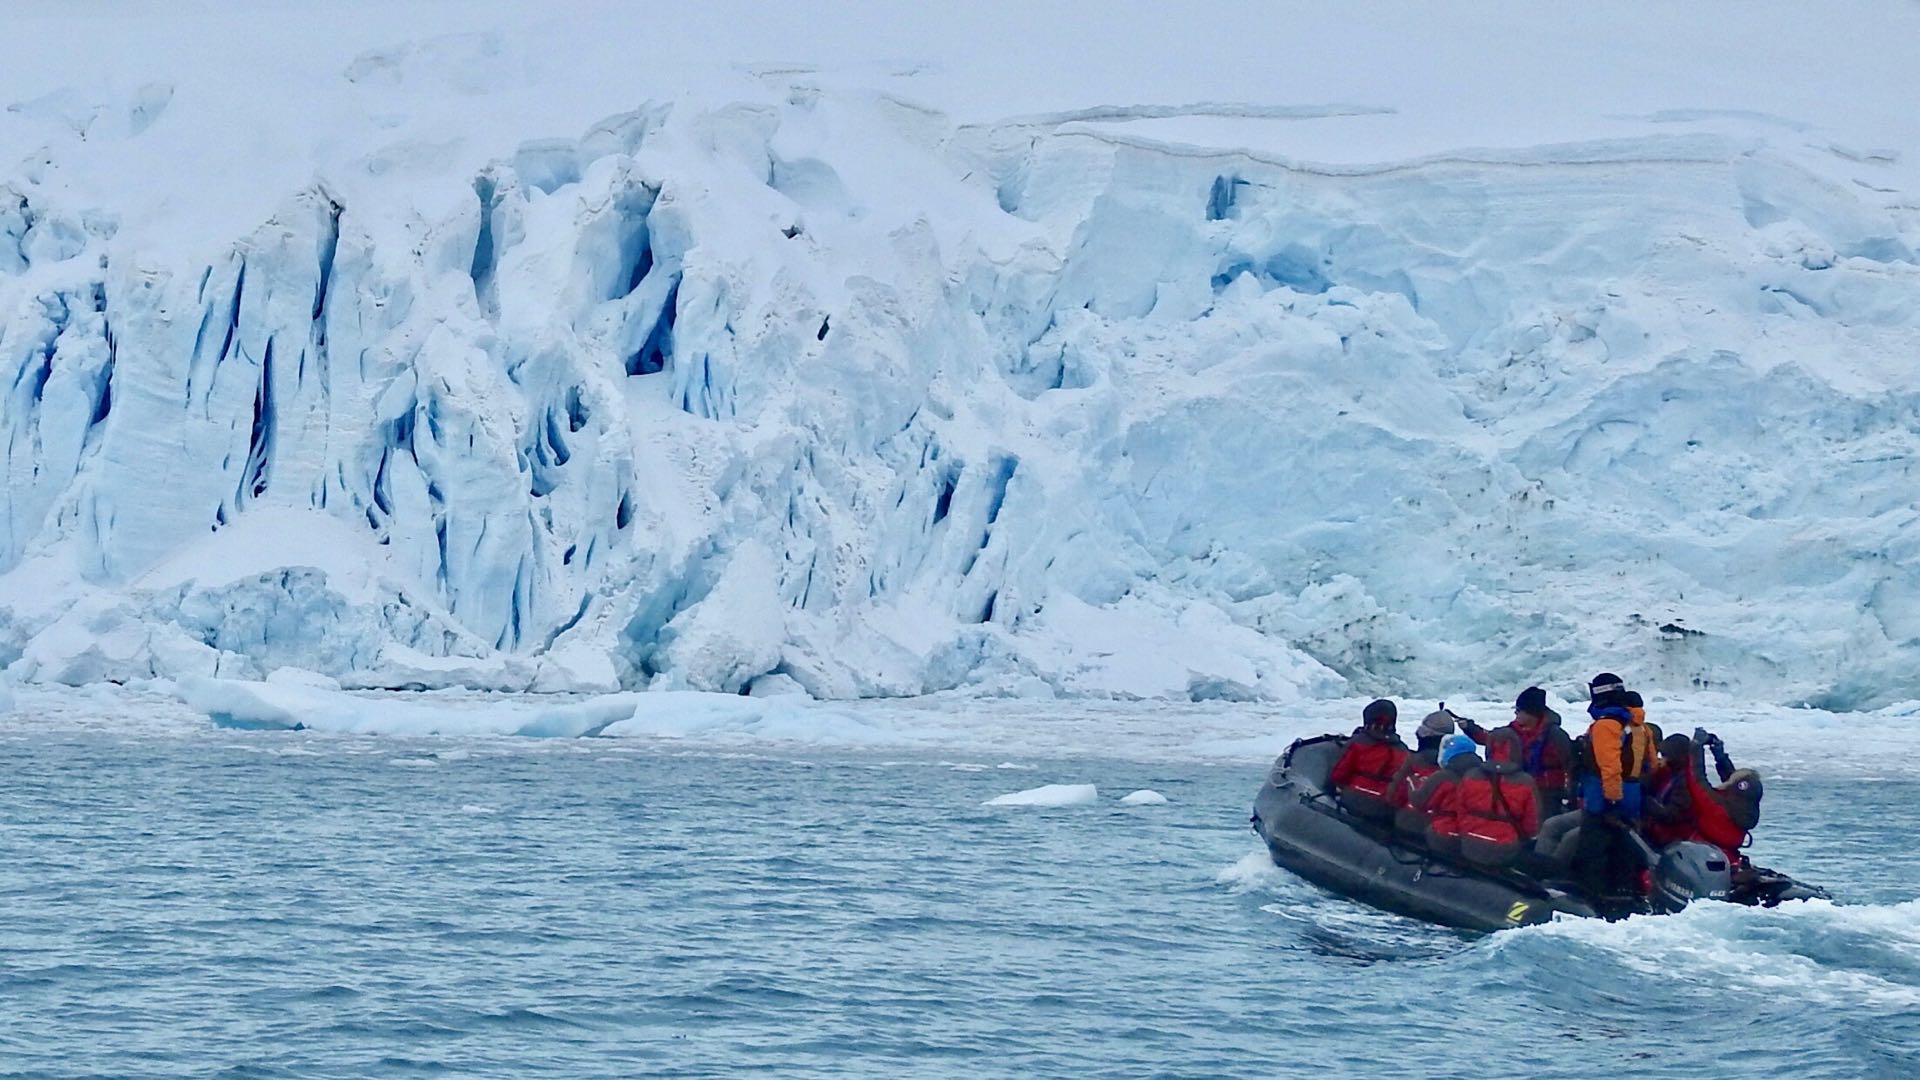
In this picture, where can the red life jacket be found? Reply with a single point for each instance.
(1364, 773)
(1494, 813)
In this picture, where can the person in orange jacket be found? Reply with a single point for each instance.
(1619, 752)
(1616, 752)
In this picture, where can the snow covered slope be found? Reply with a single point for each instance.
(869, 351)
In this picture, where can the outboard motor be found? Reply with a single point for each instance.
(1690, 871)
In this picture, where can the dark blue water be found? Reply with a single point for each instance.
(299, 905)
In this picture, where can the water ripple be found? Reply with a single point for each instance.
(278, 905)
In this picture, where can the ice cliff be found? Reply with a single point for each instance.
(824, 388)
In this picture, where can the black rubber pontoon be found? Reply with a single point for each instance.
(1307, 832)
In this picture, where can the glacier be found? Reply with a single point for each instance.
(823, 380)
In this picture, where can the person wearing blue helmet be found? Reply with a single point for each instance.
(1439, 797)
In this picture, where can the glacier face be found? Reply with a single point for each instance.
(830, 389)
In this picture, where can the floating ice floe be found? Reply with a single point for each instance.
(1144, 797)
(1048, 795)
(710, 717)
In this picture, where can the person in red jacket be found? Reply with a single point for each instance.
(1365, 770)
(1439, 798)
(1423, 762)
(1723, 815)
(1540, 746)
(1495, 809)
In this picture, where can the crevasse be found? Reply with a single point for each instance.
(705, 400)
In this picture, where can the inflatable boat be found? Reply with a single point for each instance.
(1306, 831)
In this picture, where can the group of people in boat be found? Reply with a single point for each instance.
(1526, 795)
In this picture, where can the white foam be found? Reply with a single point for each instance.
(1048, 795)
(1254, 870)
(413, 763)
(1759, 950)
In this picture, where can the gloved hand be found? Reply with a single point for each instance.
(1702, 736)
(1473, 731)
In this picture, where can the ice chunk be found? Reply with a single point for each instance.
(293, 676)
(1144, 797)
(777, 684)
(1048, 795)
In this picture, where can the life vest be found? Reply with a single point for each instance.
(1549, 770)
(1639, 747)
(1494, 813)
(1632, 765)
(1365, 772)
(1635, 751)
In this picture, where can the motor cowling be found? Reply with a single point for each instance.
(1690, 871)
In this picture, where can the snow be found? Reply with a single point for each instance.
(1144, 797)
(1285, 355)
(1048, 795)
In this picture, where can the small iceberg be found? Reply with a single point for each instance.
(1145, 797)
(1049, 795)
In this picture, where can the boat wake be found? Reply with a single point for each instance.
(1818, 952)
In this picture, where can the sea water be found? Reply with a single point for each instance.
(196, 901)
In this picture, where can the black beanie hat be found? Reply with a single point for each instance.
(1379, 713)
(1633, 700)
(1676, 747)
(1532, 700)
(1606, 688)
